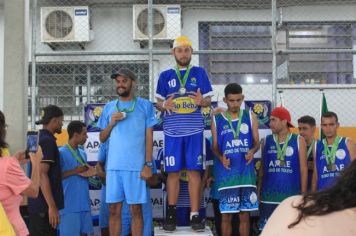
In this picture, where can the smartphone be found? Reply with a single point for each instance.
(32, 142)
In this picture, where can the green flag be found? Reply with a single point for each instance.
(323, 110)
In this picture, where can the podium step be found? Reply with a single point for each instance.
(183, 230)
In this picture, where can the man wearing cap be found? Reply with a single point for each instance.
(181, 92)
(332, 154)
(284, 165)
(44, 210)
(128, 121)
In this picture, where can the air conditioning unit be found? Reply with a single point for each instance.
(166, 22)
(65, 24)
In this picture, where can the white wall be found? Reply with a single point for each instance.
(113, 32)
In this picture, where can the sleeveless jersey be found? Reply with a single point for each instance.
(240, 174)
(280, 182)
(327, 177)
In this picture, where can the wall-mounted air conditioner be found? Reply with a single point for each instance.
(166, 22)
(65, 24)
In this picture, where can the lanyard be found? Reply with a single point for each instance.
(74, 154)
(183, 81)
(281, 152)
(310, 148)
(330, 154)
(237, 131)
(126, 110)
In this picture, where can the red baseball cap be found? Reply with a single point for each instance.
(283, 114)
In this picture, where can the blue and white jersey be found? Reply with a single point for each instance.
(187, 118)
(240, 173)
(280, 182)
(342, 159)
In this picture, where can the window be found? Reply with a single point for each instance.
(66, 85)
(240, 68)
(318, 68)
(256, 68)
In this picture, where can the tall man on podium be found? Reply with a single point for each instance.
(181, 92)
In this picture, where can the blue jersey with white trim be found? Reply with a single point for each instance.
(280, 182)
(187, 118)
(342, 159)
(240, 173)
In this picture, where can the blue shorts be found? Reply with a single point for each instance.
(183, 152)
(147, 217)
(233, 200)
(104, 209)
(125, 185)
(266, 210)
(76, 223)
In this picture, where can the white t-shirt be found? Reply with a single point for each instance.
(340, 223)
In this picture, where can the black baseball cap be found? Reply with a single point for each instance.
(49, 112)
(124, 72)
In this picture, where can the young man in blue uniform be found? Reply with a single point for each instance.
(181, 92)
(128, 123)
(332, 154)
(235, 141)
(76, 218)
(284, 165)
(306, 127)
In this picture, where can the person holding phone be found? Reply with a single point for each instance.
(14, 184)
(44, 210)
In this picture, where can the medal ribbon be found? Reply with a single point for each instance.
(237, 131)
(310, 148)
(183, 81)
(74, 154)
(126, 110)
(330, 154)
(281, 152)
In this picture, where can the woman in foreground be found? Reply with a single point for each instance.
(328, 212)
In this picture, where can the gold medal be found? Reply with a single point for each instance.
(282, 163)
(331, 167)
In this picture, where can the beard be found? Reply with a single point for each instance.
(125, 93)
(183, 63)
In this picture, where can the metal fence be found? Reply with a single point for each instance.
(294, 46)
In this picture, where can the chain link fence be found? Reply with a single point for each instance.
(293, 46)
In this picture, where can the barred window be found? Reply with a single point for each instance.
(68, 85)
(320, 68)
(240, 68)
(293, 68)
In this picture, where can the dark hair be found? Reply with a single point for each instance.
(330, 114)
(307, 120)
(75, 126)
(3, 144)
(340, 196)
(232, 88)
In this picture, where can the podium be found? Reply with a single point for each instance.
(183, 230)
